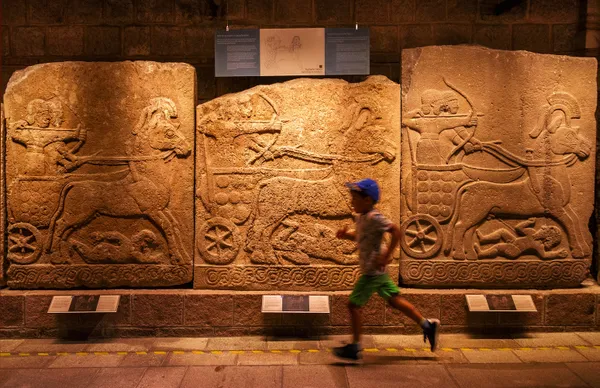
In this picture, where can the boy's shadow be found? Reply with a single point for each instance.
(382, 360)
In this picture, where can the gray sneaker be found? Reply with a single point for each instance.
(431, 333)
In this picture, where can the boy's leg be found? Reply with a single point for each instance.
(356, 322)
(391, 293)
(361, 293)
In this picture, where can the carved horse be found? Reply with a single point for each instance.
(281, 197)
(142, 192)
(544, 191)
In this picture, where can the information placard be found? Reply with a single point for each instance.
(237, 53)
(315, 304)
(292, 52)
(77, 304)
(501, 303)
(347, 51)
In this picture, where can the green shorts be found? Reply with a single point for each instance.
(367, 285)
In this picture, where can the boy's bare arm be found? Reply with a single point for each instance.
(386, 256)
(346, 234)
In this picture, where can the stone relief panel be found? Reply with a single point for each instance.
(497, 168)
(100, 175)
(2, 197)
(271, 167)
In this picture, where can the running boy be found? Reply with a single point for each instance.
(373, 257)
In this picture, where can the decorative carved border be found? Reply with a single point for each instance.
(497, 274)
(97, 276)
(273, 278)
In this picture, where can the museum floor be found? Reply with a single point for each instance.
(524, 360)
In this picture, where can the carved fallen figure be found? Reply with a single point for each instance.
(157, 140)
(441, 188)
(544, 191)
(524, 239)
(115, 248)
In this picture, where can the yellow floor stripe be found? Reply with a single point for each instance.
(295, 351)
(597, 346)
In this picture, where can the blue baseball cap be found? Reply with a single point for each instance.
(366, 186)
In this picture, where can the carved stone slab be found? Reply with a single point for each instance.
(271, 167)
(497, 168)
(100, 175)
(2, 198)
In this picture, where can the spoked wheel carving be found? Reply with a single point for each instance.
(421, 236)
(218, 241)
(24, 243)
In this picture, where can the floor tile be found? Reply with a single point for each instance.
(236, 343)
(89, 361)
(551, 355)
(492, 357)
(148, 359)
(233, 376)
(51, 378)
(588, 372)
(26, 362)
(592, 337)
(549, 339)
(9, 345)
(179, 343)
(162, 378)
(399, 376)
(118, 378)
(318, 376)
(206, 358)
(268, 358)
(514, 376)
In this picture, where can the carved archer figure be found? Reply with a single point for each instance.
(438, 113)
(526, 240)
(45, 143)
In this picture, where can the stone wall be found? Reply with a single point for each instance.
(222, 313)
(38, 31)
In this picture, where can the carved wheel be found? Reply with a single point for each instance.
(218, 241)
(421, 236)
(24, 243)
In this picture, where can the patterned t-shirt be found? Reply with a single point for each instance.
(370, 228)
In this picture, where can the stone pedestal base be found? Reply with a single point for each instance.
(206, 313)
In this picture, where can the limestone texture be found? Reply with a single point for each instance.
(271, 167)
(497, 168)
(100, 174)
